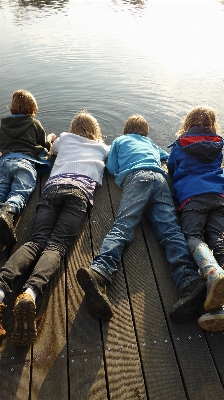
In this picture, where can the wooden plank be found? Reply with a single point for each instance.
(15, 374)
(86, 362)
(49, 362)
(123, 365)
(15, 361)
(153, 336)
(195, 362)
(215, 342)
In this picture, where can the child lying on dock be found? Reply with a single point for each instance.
(135, 161)
(198, 185)
(24, 148)
(78, 168)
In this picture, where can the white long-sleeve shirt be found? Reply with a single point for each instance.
(79, 155)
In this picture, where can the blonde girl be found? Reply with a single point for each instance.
(78, 168)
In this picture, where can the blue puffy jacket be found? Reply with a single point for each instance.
(195, 164)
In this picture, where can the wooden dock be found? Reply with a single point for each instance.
(139, 354)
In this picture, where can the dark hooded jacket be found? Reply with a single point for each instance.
(195, 164)
(24, 134)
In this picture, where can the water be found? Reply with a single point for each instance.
(114, 58)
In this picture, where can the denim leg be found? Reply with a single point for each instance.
(60, 216)
(5, 180)
(161, 213)
(20, 262)
(23, 177)
(137, 188)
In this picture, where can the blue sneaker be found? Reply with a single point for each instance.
(213, 320)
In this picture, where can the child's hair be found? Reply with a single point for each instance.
(203, 116)
(84, 124)
(23, 102)
(136, 124)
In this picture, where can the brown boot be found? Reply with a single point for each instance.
(2, 330)
(94, 286)
(25, 331)
(7, 231)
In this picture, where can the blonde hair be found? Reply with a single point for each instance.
(203, 116)
(84, 124)
(136, 124)
(23, 102)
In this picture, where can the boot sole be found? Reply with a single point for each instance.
(212, 323)
(97, 303)
(25, 332)
(187, 310)
(215, 298)
(8, 238)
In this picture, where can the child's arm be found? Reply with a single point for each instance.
(163, 155)
(171, 163)
(112, 160)
(50, 139)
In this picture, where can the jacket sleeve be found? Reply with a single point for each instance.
(171, 164)
(55, 146)
(112, 160)
(163, 154)
(42, 135)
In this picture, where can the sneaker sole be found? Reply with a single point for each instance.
(97, 303)
(212, 323)
(188, 309)
(215, 299)
(25, 332)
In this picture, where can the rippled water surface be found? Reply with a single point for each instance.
(114, 58)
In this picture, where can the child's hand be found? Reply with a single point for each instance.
(51, 137)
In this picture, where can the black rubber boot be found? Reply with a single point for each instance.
(191, 298)
(7, 231)
(94, 286)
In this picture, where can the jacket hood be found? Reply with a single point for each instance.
(15, 126)
(204, 146)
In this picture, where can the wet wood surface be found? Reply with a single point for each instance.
(138, 354)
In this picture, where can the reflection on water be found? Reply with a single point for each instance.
(114, 58)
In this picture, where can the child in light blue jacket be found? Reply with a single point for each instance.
(135, 161)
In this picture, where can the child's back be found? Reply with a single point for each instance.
(136, 163)
(198, 183)
(23, 148)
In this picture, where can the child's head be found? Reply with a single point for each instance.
(136, 124)
(84, 124)
(202, 116)
(23, 102)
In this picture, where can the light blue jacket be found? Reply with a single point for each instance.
(132, 152)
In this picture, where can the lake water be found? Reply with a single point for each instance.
(114, 58)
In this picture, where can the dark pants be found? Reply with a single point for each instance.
(203, 221)
(59, 217)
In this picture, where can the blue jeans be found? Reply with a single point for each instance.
(147, 192)
(59, 217)
(17, 181)
(203, 221)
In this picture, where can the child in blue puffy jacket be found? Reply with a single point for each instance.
(198, 185)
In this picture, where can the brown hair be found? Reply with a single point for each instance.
(23, 102)
(136, 124)
(84, 124)
(203, 116)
